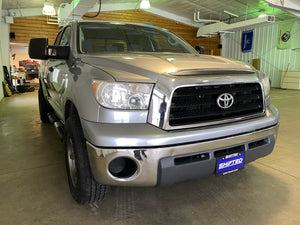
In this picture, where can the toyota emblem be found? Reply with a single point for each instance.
(225, 100)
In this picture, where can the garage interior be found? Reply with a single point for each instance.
(33, 180)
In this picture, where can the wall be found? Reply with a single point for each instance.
(30, 27)
(26, 28)
(5, 44)
(1, 64)
(188, 33)
(4, 52)
(272, 60)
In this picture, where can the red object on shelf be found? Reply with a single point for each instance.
(28, 62)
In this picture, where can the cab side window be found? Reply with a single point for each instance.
(65, 37)
(57, 39)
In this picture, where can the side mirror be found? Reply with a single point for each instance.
(200, 49)
(39, 49)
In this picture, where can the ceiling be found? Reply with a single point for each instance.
(15, 4)
(208, 9)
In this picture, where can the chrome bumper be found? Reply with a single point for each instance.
(155, 166)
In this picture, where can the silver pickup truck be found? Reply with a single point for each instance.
(137, 106)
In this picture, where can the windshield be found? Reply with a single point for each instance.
(110, 37)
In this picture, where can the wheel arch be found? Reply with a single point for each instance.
(70, 109)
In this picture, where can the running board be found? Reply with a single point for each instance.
(59, 129)
(58, 125)
(52, 118)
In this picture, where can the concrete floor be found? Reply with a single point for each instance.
(34, 189)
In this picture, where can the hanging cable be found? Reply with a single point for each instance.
(99, 10)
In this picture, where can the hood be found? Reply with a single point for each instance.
(149, 66)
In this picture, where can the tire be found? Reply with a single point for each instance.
(44, 107)
(83, 187)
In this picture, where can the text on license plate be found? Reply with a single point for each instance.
(230, 163)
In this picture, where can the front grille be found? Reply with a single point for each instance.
(198, 104)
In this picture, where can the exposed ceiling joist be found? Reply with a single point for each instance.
(199, 20)
(121, 6)
(25, 12)
(291, 6)
(75, 10)
(219, 27)
(172, 16)
(186, 12)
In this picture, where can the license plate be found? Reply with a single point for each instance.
(230, 163)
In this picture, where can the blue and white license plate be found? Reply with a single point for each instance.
(230, 163)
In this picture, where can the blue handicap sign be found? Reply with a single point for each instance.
(247, 40)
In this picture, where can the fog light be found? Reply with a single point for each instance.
(122, 167)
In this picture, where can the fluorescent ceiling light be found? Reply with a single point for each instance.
(49, 9)
(145, 4)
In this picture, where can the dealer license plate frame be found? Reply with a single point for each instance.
(230, 163)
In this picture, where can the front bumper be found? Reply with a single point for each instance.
(156, 164)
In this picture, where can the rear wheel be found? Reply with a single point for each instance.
(84, 188)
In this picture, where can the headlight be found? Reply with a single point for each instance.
(118, 95)
(266, 83)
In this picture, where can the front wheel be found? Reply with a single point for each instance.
(84, 188)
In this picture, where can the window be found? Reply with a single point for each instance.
(65, 37)
(109, 37)
(58, 37)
